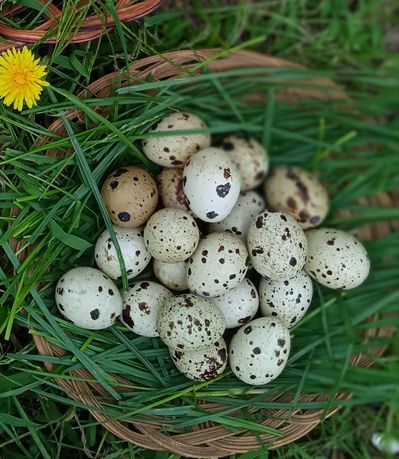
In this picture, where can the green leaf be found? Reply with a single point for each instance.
(68, 239)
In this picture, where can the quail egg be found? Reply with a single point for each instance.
(211, 184)
(259, 350)
(299, 193)
(88, 298)
(141, 304)
(287, 300)
(218, 265)
(172, 275)
(170, 186)
(277, 245)
(130, 195)
(336, 259)
(189, 322)
(174, 151)
(249, 157)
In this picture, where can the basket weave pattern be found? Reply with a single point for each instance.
(92, 26)
(210, 440)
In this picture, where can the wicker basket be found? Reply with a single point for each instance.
(210, 440)
(91, 27)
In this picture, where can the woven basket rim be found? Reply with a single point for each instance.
(209, 441)
(92, 27)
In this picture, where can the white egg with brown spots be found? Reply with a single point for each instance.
(248, 206)
(239, 305)
(299, 193)
(174, 150)
(211, 183)
(141, 304)
(130, 195)
(172, 275)
(170, 186)
(277, 245)
(250, 158)
(189, 322)
(259, 351)
(134, 253)
(219, 264)
(171, 235)
(201, 364)
(336, 259)
(288, 300)
(88, 298)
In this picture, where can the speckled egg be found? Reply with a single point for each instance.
(130, 195)
(211, 184)
(88, 298)
(336, 259)
(239, 305)
(170, 186)
(134, 253)
(249, 157)
(189, 322)
(201, 364)
(259, 350)
(277, 245)
(174, 151)
(218, 265)
(248, 206)
(171, 235)
(141, 304)
(172, 275)
(299, 193)
(287, 300)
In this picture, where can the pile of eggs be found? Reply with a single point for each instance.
(211, 229)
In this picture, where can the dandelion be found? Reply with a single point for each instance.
(21, 78)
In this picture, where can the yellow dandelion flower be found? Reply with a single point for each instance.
(21, 78)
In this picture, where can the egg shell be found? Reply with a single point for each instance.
(239, 305)
(201, 364)
(189, 322)
(174, 151)
(130, 195)
(171, 235)
(250, 158)
(287, 300)
(88, 298)
(299, 193)
(141, 304)
(248, 206)
(259, 351)
(336, 259)
(277, 245)
(219, 264)
(134, 253)
(170, 187)
(211, 184)
(172, 275)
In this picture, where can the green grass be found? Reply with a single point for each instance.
(62, 213)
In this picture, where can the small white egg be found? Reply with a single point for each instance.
(218, 265)
(248, 206)
(201, 364)
(259, 350)
(174, 151)
(336, 259)
(170, 186)
(172, 275)
(239, 305)
(299, 193)
(249, 157)
(211, 184)
(88, 298)
(189, 322)
(171, 235)
(287, 300)
(277, 245)
(141, 304)
(134, 253)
